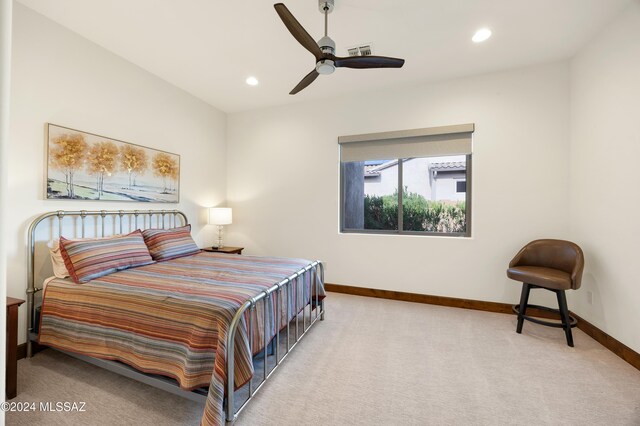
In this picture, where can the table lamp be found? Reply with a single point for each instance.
(220, 216)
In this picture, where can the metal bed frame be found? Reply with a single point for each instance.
(169, 219)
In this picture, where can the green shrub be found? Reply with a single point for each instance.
(380, 212)
(418, 213)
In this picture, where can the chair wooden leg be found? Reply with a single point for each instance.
(564, 314)
(522, 308)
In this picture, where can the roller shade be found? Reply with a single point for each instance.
(429, 142)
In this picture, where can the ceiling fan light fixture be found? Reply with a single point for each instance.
(326, 66)
(252, 81)
(481, 35)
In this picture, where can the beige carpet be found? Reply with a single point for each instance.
(379, 362)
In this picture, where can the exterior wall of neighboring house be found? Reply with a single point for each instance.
(446, 186)
(385, 182)
(416, 178)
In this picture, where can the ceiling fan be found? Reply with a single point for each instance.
(324, 49)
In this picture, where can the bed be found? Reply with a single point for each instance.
(196, 325)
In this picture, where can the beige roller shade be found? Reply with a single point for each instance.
(429, 142)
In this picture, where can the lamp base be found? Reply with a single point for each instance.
(220, 237)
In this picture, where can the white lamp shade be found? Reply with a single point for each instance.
(220, 216)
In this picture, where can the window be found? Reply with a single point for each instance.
(432, 166)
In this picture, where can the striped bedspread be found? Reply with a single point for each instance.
(172, 318)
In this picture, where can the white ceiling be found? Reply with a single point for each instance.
(209, 47)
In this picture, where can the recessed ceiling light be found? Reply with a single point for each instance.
(252, 81)
(481, 35)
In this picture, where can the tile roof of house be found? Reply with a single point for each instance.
(374, 170)
(450, 166)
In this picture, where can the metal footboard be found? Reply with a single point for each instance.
(313, 302)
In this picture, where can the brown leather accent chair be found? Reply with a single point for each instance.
(554, 265)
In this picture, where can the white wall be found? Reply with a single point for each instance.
(62, 78)
(283, 181)
(5, 87)
(605, 200)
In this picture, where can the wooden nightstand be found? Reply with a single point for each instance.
(12, 347)
(225, 249)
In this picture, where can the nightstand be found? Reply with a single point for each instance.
(12, 347)
(225, 249)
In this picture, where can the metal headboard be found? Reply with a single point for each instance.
(135, 219)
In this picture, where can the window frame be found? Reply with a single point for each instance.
(400, 231)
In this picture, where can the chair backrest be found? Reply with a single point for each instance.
(556, 254)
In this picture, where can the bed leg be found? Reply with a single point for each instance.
(322, 301)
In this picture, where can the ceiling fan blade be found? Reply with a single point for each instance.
(298, 31)
(368, 62)
(309, 78)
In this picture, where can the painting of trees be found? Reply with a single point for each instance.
(133, 160)
(102, 162)
(166, 167)
(67, 154)
(87, 166)
(175, 176)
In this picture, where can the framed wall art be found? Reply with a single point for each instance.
(85, 166)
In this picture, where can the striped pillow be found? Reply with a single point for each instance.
(165, 244)
(92, 258)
